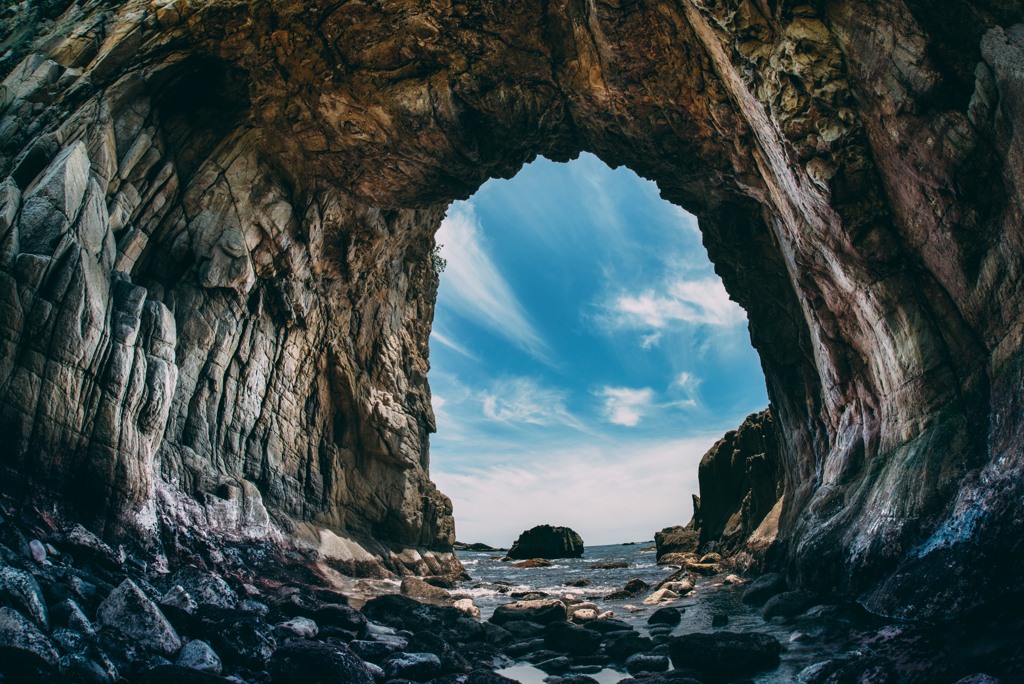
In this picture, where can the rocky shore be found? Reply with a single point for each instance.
(74, 610)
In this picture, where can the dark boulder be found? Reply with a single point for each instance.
(205, 588)
(544, 611)
(636, 586)
(789, 603)
(378, 649)
(128, 610)
(764, 587)
(312, 662)
(644, 662)
(579, 583)
(524, 629)
(719, 620)
(498, 636)
(176, 674)
(343, 616)
(18, 632)
(665, 616)
(20, 590)
(418, 667)
(618, 596)
(427, 642)
(621, 647)
(609, 625)
(566, 637)
(482, 655)
(725, 654)
(244, 640)
(21, 665)
(545, 541)
(487, 677)
(79, 669)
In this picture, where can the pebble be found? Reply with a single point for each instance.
(37, 550)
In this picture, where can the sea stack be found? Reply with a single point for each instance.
(545, 541)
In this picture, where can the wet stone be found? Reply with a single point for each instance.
(20, 590)
(642, 662)
(198, 655)
(419, 667)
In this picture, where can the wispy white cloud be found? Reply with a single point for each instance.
(523, 400)
(435, 334)
(473, 286)
(648, 341)
(703, 301)
(569, 485)
(626, 406)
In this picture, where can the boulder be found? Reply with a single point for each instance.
(764, 587)
(19, 665)
(545, 541)
(178, 674)
(618, 596)
(312, 662)
(412, 586)
(566, 637)
(378, 649)
(665, 616)
(636, 586)
(18, 632)
(544, 611)
(451, 661)
(205, 588)
(466, 606)
(644, 662)
(130, 611)
(343, 616)
(197, 655)
(622, 646)
(719, 620)
(299, 627)
(673, 540)
(68, 614)
(663, 594)
(789, 603)
(524, 629)
(247, 641)
(533, 563)
(608, 566)
(21, 591)
(579, 583)
(725, 654)
(418, 667)
(84, 545)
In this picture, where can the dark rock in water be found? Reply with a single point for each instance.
(671, 677)
(725, 654)
(528, 595)
(566, 637)
(312, 662)
(19, 666)
(545, 541)
(719, 620)
(554, 665)
(498, 636)
(978, 679)
(621, 647)
(486, 656)
(411, 586)
(18, 632)
(533, 563)
(524, 647)
(609, 625)
(636, 586)
(419, 667)
(665, 616)
(20, 590)
(765, 587)
(542, 612)
(130, 611)
(246, 640)
(852, 668)
(427, 642)
(175, 674)
(297, 627)
(581, 678)
(789, 603)
(403, 612)
(441, 582)
(608, 566)
(642, 662)
(579, 583)
(618, 596)
(205, 588)
(524, 629)
(541, 655)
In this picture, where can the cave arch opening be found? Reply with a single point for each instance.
(584, 356)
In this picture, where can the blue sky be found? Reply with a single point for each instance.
(584, 356)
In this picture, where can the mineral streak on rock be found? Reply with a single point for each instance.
(219, 324)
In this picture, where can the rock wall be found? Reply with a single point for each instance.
(268, 176)
(741, 498)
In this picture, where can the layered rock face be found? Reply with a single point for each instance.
(228, 312)
(741, 497)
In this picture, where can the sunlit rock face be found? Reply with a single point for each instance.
(225, 317)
